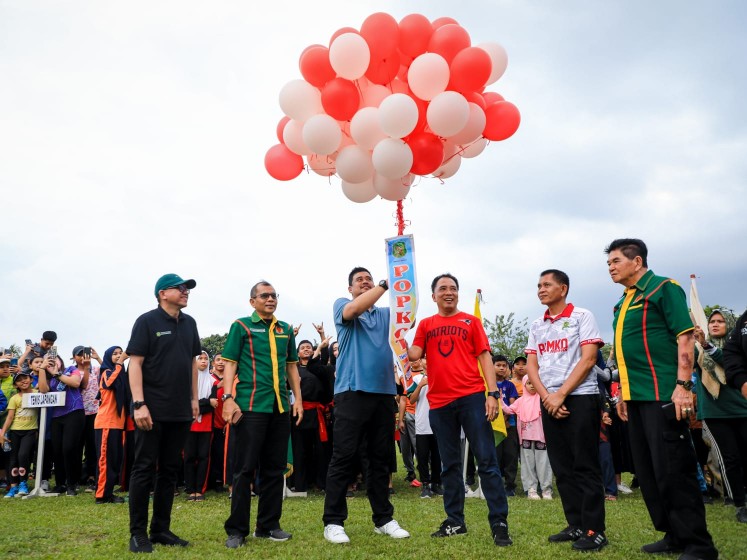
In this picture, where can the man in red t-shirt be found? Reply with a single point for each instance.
(454, 343)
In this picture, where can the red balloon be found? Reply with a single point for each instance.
(381, 32)
(476, 98)
(383, 71)
(282, 164)
(341, 31)
(427, 152)
(491, 97)
(469, 70)
(440, 22)
(414, 33)
(315, 66)
(502, 120)
(448, 40)
(340, 99)
(281, 127)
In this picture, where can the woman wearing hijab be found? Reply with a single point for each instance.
(109, 424)
(722, 408)
(197, 447)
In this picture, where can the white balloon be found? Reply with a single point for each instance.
(447, 113)
(498, 57)
(392, 189)
(365, 128)
(300, 100)
(474, 149)
(293, 138)
(373, 95)
(449, 168)
(321, 134)
(349, 56)
(398, 115)
(354, 164)
(474, 127)
(359, 192)
(392, 158)
(428, 75)
(321, 165)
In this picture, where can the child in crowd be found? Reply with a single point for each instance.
(508, 449)
(20, 430)
(535, 464)
(197, 446)
(426, 447)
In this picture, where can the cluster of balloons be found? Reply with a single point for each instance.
(389, 102)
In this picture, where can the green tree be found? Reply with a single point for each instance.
(507, 335)
(214, 343)
(708, 309)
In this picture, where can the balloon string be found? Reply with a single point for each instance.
(400, 218)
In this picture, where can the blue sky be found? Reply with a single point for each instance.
(132, 138)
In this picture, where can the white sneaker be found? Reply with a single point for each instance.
(393, 530)
(532, 494)
(547, 494)
(45, 485)
(336, 534)
(624, 488)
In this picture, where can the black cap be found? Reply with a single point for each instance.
(51, 336)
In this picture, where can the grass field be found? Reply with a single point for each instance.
(75, 527)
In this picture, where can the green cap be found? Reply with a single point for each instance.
(171, 280)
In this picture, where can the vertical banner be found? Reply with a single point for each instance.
(403, 297)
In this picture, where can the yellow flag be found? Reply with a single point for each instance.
(499, 424)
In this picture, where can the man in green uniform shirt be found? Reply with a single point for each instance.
(260, 354)
(654, 352)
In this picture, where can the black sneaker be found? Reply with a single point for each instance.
(664, 546)
(437, 489)
(140, 543)
(277, 535)
(567, 534)
(450, 528)
(500, 534)
(426, 491)
(110, 500)
(742, 514)
(235, 541)
(591, 541)
(168, 538)
(71, 491)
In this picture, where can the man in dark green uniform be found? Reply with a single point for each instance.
(654, 351)
(260, 355)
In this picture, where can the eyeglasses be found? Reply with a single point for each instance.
(270, 295)
(181, 287)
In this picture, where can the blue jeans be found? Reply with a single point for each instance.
(468, 413)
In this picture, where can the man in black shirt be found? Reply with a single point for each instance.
(163, 382)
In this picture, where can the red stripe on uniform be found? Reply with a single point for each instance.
(103, 452)
(645, 340)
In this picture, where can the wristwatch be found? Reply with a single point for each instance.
(687, 385)
(495, 394)
(226, 396)
(137, 404)
(384, 284)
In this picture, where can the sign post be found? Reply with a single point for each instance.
(43, 401)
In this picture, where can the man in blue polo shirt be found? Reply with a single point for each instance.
(364, 406)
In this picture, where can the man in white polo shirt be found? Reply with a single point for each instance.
(561, 353)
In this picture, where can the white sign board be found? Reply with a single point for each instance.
(44, 400)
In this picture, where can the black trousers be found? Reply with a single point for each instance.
(508, 456)
(730, 435)
(90, 455)
(359, 414)
(308, 456)
(67, 440)
(157, 452)
(196, 462)
(23, 444)
(666, 466)
(429, 460)
(261, 442)
(215, 474)
(573, 450)
(110, 451)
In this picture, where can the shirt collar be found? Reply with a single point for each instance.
(167, 316)
(643, 281)
(563, 315)
(257, 319)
